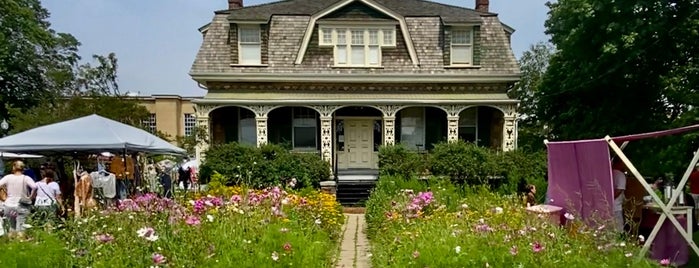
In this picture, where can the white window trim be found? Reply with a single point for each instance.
(469, 45)
(240, 43)
(348, 43)
(192, 125)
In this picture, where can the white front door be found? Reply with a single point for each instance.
(359, 143)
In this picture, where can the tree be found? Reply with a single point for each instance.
(97, 95)
(533, 63)
(36, 63)
(623, 67)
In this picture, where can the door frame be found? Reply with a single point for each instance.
(335, 149)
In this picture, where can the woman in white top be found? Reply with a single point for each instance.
(48, 198)
(17, 184)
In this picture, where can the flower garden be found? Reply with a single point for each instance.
(239, 228)
(433, 223)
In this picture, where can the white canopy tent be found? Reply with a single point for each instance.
(14, 155)
(91, 133)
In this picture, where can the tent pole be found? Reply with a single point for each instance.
(667, 214)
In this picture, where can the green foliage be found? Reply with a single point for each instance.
(533, 63)
(620, 67)
(117, 108)
(462, 161)
(521, 168)
(190, 143)
(401, 161)
(36, 63)
(467, 226)
(268, 165)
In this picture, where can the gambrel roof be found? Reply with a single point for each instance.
(293, 52)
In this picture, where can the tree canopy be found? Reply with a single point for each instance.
(623, 67)
(620, 67)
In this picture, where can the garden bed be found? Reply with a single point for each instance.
(437, 224)
(238, 228)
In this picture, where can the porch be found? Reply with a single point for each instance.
(349, 136)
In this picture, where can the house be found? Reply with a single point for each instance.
(172, 115)
(342, 77)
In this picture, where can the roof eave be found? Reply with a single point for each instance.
(354, 78)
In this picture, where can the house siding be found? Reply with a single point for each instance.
(492, 51)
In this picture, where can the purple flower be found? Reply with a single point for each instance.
(192, 220)
(158, 258)
(104, 238)
(536, 247)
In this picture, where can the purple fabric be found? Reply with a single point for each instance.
(580, 179)
(669, 243)
(655, 134)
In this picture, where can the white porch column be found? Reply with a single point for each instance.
(261, 126)
(389, 130)
(509, 129)
(452, 128)
(261, 112)
(202, 113)
(326, 138)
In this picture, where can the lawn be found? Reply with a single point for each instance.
(433, 223)
(239, 228)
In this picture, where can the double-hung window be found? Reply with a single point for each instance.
(468, 125)
(149, 124)
(357, 46)
(462, 46)
(249, 44)
(304, 124)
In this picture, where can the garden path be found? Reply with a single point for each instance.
(354, 250)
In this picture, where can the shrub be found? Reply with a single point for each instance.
(521, 168)
(401, 161)
(265, 166)
(462, 161)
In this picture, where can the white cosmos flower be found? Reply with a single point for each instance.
(152, 238)
(498, 210)
(457, 249)
(210, 218)
(318, 221)
(285, 201)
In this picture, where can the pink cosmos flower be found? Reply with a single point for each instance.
(536, 247)
(158, 258)
(665, 262)
(287, 246)
(236, 199)
(104, 238)
(193, 220)
(416, 254)
(513, 250)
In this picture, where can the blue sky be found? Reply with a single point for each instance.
(156, 40)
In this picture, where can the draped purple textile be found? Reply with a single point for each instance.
(580, 179)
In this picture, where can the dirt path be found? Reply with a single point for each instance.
(354, 251)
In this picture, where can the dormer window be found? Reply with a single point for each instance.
(249, 44)
(462, 46)
(357, 46)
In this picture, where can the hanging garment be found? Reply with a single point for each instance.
(83, 191)
(151, 178)
(105, 181)
(120, 169)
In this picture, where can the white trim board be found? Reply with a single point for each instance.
(372, 4)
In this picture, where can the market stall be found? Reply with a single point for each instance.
(94, 135)
(580, 181)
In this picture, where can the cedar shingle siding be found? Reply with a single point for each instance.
(288, 20)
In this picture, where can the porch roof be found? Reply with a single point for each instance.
(358, 97)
